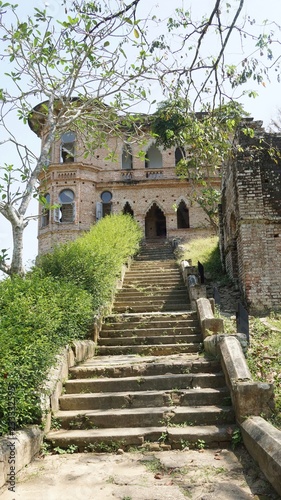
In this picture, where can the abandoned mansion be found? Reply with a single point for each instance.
(146, 186)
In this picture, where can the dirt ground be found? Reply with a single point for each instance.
(165, 475)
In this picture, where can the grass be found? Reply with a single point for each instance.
(264, 357)
(206, 251)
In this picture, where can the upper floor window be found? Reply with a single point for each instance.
(66, 212)
(153, 157)
(179, 154)
(127, 157)
(45, 214)
(68, 147)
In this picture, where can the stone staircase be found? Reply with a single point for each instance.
(148, 382)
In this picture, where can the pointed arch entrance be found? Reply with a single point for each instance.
(127, 210)
(155, 223)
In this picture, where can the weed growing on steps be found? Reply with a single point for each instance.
(72, 448)
(200, 444)
(47, 449)
(236, 438)
(55, 423)
(163, 438)
(103, 447)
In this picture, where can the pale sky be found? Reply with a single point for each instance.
(264, 107)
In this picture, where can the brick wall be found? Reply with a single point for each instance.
(251, 223)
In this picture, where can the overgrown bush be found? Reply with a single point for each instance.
(38, 316)
(54, 305)
(94, 261)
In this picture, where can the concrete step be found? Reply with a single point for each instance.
(98, 440)
(150, 340)
(133, 366)
(151, 332)
(152, 273)
(157, 304)
(149, 417)
(174, 279)
(164, 320)
(130, 293)
(145, 383)
(132, 296)
(138, 264)
(142, 398)
(151, 267)
(154, 288)
(149, 291)
(151, 307)
(149, 399)
(123, 298)
(153, 350)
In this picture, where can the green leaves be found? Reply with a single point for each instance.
(249, 132)
(39, 316)
(204, 141)
(93, 261)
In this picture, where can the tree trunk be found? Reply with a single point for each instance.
(17, 266)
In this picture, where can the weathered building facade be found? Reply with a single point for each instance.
(87, 189)
(250, 222)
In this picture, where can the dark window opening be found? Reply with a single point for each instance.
(106, 209)
(68, 147)
(106, 197)
(179, 154)
(128, 210)
(45, 217)
(127, 158)
(182, 216)
(67, 206)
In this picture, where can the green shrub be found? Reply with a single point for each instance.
(54, 305)
(94, 260)
(38, 317)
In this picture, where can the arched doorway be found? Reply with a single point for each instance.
(155, 223)
(182, 216)
(128, 209)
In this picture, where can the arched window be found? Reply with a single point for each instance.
(127, 157)
(128, 209)
(68, 147)
(106, 197)
(66, 212)
(45, 214)
(153, 157)
(182, 216)
(179, 154)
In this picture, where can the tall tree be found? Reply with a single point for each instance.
(79, 69)
(213, 56)
(70, 66)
